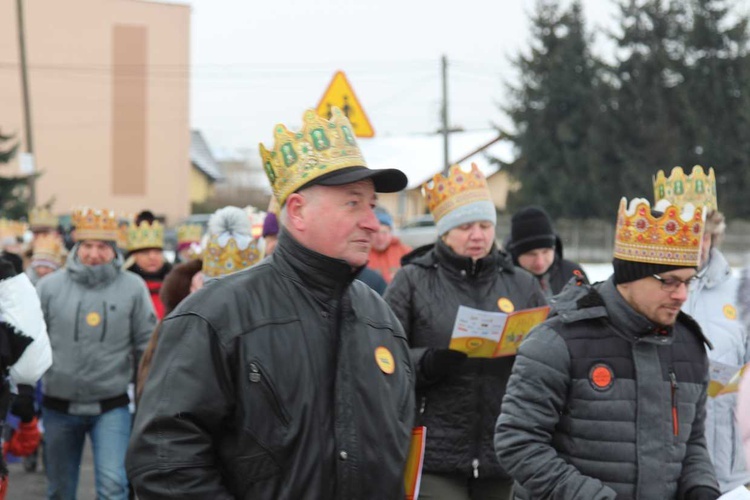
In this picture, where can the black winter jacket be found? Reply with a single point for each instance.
(459, 411)
(275, 383)
(604, 404)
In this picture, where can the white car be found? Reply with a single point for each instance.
(418, 231)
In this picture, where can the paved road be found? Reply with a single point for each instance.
(33, 485)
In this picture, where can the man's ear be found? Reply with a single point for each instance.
(295, 211)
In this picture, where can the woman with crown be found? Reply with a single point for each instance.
(146, 255)
(458, 398)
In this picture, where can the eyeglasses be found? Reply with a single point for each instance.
(672, 284)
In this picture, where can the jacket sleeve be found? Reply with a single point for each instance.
(21, 309)
(142, 321)
(185, 401)
(534, 399)
(398, 296)
(697, 468)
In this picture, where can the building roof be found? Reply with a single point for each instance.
(202, 158)
(421, 157)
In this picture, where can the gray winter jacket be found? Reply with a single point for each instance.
(603, 404)
(97, 317)
(713, 302)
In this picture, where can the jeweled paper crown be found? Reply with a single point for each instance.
(679, 189)
(12, 229)
(219, 260)
(48, 248)
(93, 224)
(42, 218)
(145, 235)
(672, 239)
(321, 147)
(189, 233)
(444, 194)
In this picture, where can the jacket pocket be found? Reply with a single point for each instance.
(251, 472)
(260, 380)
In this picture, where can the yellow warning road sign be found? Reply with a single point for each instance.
(341, 94)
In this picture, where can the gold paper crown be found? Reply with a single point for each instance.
(12, 229)
(95, 225)
(668, 239)
(444, 194)
(189, 233)
(221, 260)
(48, 248)
(42, 218)
(321, 147)
(145, 235)
(698, 188)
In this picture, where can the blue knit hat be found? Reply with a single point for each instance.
(465, 214)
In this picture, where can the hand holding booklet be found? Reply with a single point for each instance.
(486, 334)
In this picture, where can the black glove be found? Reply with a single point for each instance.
(702, 493)
(437, 363)
(23, 404)
(7, 269)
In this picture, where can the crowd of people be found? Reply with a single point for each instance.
(295, 363)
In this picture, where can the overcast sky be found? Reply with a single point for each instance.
(263, 62)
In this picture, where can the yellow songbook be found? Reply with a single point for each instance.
(724, 379)
(414, 461)
(487, 334)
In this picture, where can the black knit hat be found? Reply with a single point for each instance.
(530, 228)
(627, 270)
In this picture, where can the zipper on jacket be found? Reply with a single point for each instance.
(674, 387)
(104, 321)
(475, 466)
(78, 319)
(256, 376)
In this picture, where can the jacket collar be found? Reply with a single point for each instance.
(92, 276)
(324, 276)
(716, 272)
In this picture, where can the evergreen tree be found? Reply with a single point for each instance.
(647, 104)
(716, 121)
(555, 110)
(12, 189)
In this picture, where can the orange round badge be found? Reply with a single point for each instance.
(601, 376)
(93, 319)
(384, 359)
(505, 305)
(730, 312)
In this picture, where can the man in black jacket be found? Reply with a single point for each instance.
(289, 380)
(536, 248)
(607, 398)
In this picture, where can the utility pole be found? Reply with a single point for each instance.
(26, 105)
(444, 115)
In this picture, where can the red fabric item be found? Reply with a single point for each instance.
(25, 439)
(3, 487)
(388, 261)
(153, 288)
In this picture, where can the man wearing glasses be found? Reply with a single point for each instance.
(607, 397)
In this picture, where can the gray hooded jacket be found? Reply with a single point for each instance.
(603, 404)
(97, 317)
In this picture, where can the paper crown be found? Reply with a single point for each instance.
(189, 233)
(48, 249)
(444, 194)
(672, 239)
(321, 147)
(145, 235)
(93, 224)
(221, 257)
(12, 229)
(679, 189)
(42, 218)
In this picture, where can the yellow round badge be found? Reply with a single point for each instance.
(384, 359)
(505, 305)
(93, 319)
(730, 312)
